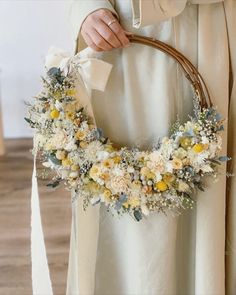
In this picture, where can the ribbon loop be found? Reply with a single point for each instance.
(94, 72)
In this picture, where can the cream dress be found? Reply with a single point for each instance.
(161, 255)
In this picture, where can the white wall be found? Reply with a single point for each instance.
(27, 29)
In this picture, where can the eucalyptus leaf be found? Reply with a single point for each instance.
(123, 198)
(224, 158)
(43, 98)
(54, 72)
(118, 205)
(221, 128)
(138, 215)
(54, 160)
(54, 184)
(215, 161)
(200, 187)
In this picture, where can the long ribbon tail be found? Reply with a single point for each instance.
(41, 282)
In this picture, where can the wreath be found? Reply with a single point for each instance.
(126, 179)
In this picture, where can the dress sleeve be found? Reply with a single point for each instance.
(149, 12)
(80, 9)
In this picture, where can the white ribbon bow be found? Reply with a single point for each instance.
(94, 73)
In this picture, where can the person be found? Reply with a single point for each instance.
(146, 91)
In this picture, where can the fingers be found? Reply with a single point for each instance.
(90, 43)
(116, 28)
(102, 31)
(108, 35)
(99, 41)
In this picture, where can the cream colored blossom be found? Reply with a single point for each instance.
(177, 163)
(119, 184)
(183, 186)
(180, 153)
(95, 171)
(156, 162)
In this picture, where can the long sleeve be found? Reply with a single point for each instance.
(149, 12)
(80, 9)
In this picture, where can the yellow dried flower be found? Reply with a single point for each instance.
(108, 163)
(80, 135)
(94, 171)
(54, 114)
(70, 115)
(161, 186)
(198, 147)
(116, 159)
(66, 162)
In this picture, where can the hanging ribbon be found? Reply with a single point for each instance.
(94, 74)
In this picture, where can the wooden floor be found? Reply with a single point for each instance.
(15, 189)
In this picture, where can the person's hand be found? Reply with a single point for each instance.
(102, 32)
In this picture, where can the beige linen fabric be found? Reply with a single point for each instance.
(230, 10)
(161, 255)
